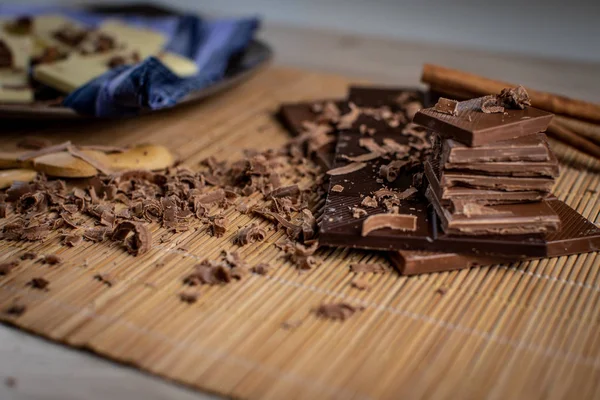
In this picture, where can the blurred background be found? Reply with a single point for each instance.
(555, 29)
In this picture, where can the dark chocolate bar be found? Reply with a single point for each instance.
(526, 148)
(473, 127)
(353, 197)
(577, 236)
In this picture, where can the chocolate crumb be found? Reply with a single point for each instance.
(337, 188)
(106, 279)
(7, 267)
(52, 259)
(370, 202)
(337, 311)
(188, 297)
(39, 283)
(360, 284)
(441, 290)
(16, 309)
(29, 256)
(367, 267)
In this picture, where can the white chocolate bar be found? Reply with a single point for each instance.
(16, 95)
(14, 80)
(145, 41)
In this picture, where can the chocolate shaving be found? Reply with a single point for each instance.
(219, 226)
(346, 169)
(7, 267)
(16, 309)
(337, 311)
(52, 259)
(188, 297)
(72, 240)
(250, 234)
(286, 191)
(302, 256)
(33, 143)
(446, 106)
(135, 235)
(371, 145)
(96, 234)
(38, 283)
(43, 151)
(363, 157)
(212, 197)
(260, 269)
(490, 105)
(369, 202)
(367, 267)
(347, 120)
(514, 98)
(337, 188)
(403, 222)
(358, 212)
(100, 166)
(390, 171)
(29, 256)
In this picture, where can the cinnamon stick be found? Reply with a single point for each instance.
(589, 130)
(460, 81)
(565, 135)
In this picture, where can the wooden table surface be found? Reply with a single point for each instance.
(43, 370)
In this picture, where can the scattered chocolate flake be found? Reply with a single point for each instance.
(16, 309)
(33, 143)
(219, 226)
(188, 297)
(302, 256)
(515, 98)
(360, 284)
(441, 290)
(29, 256)
(363, 157)
(286, 191)
(490, 105)
(347, 169)
(52, 259)
(370, 202)
(8, 266)
(337, 311)
(105, 279)
(390, 171)
(403, 222)
(249, 234)
(260, 269)
(358, 212)
(446, 106)
(38, 283)
(96, 234)
(136, 236)
(337, 188)
(72, 240)
(368, 268)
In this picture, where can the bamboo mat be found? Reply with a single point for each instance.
(521, 331)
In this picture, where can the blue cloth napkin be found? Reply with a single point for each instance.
(149, 85)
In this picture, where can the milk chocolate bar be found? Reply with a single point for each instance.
(513, 168)
(503, 219)
(482, 196)
(356, 198)
(578, 235)
(525, 148)
(450, 179)
(473, 127)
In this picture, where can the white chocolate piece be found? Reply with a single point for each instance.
(145, 41)
(75, 71)
(16, 95)
(44, 28)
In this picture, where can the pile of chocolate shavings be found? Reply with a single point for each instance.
(509, 98)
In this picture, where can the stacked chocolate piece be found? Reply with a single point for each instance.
(492, 169)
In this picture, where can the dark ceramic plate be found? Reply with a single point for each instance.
(257, 55)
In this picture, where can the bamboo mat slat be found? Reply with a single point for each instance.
(527, 330)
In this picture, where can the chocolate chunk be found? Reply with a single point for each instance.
(446, 106)
(135, 235)
(250, 234)
(483, 128)
(8, 266)
(52, 259)
(337, 311)
(39, 283)
(402, 222)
